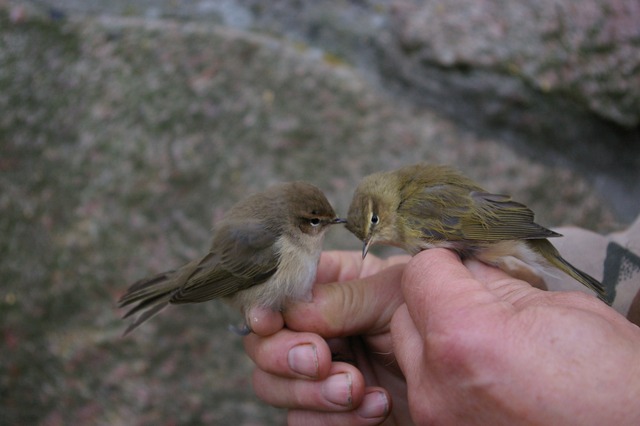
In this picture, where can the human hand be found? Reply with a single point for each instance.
(479, 347)
(295, 369)
(484, 349)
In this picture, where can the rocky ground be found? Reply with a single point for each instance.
(127, 131)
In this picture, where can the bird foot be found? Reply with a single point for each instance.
(242, 330)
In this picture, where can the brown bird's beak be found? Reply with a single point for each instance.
(365, 248)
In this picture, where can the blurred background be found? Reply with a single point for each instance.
(127, 130)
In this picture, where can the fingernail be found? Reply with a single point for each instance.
(303, 359)
(337, 389)
(374, 405)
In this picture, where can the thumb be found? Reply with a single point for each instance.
(441, 293)
(360, 306)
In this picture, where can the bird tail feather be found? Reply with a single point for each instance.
(151, 294)
(551, 254)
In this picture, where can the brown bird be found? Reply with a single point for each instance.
(422, 206)
(264, 252)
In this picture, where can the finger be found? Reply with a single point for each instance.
(520, 294)
(407, 343)
(441, 292)
(505, 287)
(483, 272)
(373, 410)
(425, 391)
(375, 264)
(348, 308)
(342, 390)
(264, 321)
(338, 266)
(290, 355)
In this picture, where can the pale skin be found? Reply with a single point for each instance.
(467, 343)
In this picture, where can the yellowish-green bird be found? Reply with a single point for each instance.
(423, 206)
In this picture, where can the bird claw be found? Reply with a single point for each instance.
(243, 330)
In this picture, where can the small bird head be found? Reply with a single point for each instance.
(309, 209)
(373, 209)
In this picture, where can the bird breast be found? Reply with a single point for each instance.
(293, 278)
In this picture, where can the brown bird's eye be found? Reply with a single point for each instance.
(315, 221)
(374, 219)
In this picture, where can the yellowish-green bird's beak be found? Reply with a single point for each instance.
(365, 248)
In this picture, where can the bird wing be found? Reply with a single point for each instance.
(242, 255)
(497, 217)
(436, 211)
(454, 213)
